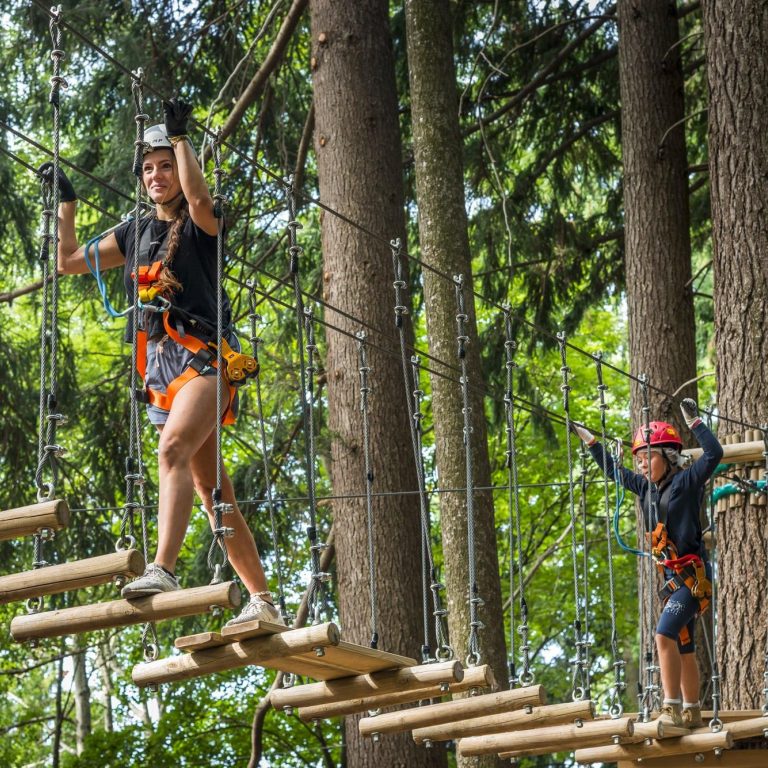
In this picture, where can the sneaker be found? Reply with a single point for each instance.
(692, 717)
(671, 714)
(257, 609)
(154, 581)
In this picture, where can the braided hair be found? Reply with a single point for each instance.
(167, 280)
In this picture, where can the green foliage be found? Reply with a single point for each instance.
(543, 185)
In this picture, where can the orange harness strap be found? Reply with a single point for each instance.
(194, 345)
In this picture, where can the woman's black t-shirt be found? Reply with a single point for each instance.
(194, 265)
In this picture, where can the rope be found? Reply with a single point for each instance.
(475, 601)
(364, 392)
(650, 695)
(715, 723)
(515, 527)
(255, 342)
(615, 706)
(220, 508)
(580, 680)
(134, 476)
(444, 651)
(765, 657)
(304, 316)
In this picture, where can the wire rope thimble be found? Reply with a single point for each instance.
(34, 604)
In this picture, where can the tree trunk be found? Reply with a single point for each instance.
(444, 245)
(82, 694)
(657, 238)
(359, 158)
(662, 340)
(736, 35)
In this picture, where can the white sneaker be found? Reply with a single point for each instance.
(257, 609)
(154, 581)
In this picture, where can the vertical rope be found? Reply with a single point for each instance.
(255, 342)
(365, 390)
(475, 601)
(49, 418)
(615, 706)
(580, 683)
(765, 660)
(444, 651)
(515, 527)
(650, 695)
(134, 474)
(715, 723)
(220, 508)
(306, 367)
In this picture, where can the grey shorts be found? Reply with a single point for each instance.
(165, 361)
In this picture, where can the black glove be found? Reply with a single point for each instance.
(66, 190)
(176, 114)
(690, 412)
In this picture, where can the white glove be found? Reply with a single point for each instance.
(690, 412)
(584, 434)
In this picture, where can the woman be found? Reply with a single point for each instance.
(178, 267)
(671, 505)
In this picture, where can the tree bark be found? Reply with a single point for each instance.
(657, 238)
(82, 694)
(662, 340)
(359, 160)
(444, 245)
(736, 38)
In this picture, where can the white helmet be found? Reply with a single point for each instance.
(156, 137)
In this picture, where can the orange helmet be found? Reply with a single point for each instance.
(662, 435)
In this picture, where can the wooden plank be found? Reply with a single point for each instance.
(66, 577)
(271, 650)
(520, 719)
(450, 711)
(680, 746)
(25, 521)
(358, 659)
(373, 684)
(121, 613)
(554, 738)
(235, 633)
(474, 678)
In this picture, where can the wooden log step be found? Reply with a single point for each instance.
(735, 453)
(121, 613)
(553, 714)
(744, 729)
(731, 758)
(450, 711)
(376, 683)
(66, 577)
(270, 650)
(655, 729)
(554, 737)
(25, 521)
(474, 678)
(681, 746)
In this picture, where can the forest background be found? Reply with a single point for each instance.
(632, 249)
